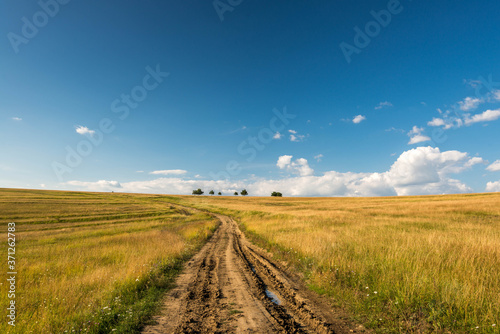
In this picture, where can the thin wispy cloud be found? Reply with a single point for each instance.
(297, 138)
(395, 130)
(241, 128)
(277, 135)
(383, 104)
(318, 157)
(17, 119)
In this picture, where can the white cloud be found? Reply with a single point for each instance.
(284, 161)
(487, 116)
(436, 122)
(415, 131)
(418, 139)
(17, 119)
(419, 171)
(169, 172)
(277, 135)
(296, 138)
(494, 167)
(299, 166)
(475, 161)
(470, 103)
(83, 130)
(417, 136)
(358, 119)
(101, 185)
(383, 104)
(319, 157)
(493, 186)
(496, 95)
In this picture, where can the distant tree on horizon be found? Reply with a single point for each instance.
(276, 194)
(236, 193)
(198, 192)
(220, 193)
(211, 192)
(244, 192)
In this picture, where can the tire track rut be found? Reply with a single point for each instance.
(232, 286)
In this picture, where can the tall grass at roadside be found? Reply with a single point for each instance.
(94, 263)
(399, 265)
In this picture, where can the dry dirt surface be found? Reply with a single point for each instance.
(232, 286)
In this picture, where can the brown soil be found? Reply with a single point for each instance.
(232, 286)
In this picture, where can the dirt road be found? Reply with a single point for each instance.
(232, 286)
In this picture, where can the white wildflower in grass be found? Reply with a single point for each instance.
(375, 292)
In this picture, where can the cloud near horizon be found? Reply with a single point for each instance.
(419, 171)
(494, 167)
(169, 172)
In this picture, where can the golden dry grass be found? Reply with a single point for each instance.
(93, 262)
(404, 264)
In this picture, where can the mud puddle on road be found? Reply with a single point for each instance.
(271, 295)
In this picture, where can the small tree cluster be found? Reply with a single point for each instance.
(244, 192)
(276, 194)
(198, 192)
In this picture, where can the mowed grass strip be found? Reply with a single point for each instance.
(94, 278)
(428, 264)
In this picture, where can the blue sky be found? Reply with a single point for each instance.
(382, 97)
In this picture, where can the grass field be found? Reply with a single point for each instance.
(94, 262)
(90, 262)
(398, 265)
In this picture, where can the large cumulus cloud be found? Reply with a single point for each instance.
(422, 170)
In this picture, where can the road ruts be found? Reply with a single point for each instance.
(232, 286)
